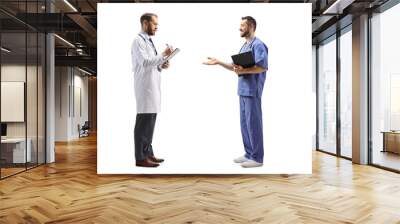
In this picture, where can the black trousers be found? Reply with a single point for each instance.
(144, 129)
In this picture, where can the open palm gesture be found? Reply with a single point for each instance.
(211, 61)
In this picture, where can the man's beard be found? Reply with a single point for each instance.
(150, 32)
(245, 34)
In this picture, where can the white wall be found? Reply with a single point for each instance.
(314, 100)
(17, 73)
(33, 127)
(80, 84)
(61, 103)
(70, 83)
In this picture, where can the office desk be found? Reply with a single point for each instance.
(13, 150)
(391, 141)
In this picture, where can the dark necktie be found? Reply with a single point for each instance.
(152, 44)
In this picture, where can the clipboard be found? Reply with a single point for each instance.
(245, 59)
(171, 55)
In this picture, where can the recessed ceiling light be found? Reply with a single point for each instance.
(338, 6)
(64, 40)
(84, 71)
(70, 5)
(5, 50)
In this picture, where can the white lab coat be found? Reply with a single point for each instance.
(147, 75)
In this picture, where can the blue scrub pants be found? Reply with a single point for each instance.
(252, 127)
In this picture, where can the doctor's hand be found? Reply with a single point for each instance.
(167, 51)
(238, 69)
(165, 65)
(211, 61)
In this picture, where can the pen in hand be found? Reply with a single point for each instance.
(167, 51)
(170, 47)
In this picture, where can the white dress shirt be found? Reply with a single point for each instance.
(147, 74)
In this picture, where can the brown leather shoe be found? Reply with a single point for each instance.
(146, 163)
(156, 160)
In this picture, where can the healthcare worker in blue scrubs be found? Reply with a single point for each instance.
(250, 88)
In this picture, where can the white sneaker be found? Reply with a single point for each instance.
(241, 159)
(250, 164)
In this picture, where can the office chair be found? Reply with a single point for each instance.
(84, 130)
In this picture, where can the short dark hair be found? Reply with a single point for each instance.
(147, 17)
(250, 20)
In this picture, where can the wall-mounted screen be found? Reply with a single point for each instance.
(12, 101)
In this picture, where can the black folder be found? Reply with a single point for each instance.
(245, 59)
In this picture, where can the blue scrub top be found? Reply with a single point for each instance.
(252, 85)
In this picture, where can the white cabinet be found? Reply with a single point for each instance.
(18, 149)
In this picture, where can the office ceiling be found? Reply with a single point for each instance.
(76, 21)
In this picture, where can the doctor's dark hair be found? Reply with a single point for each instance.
(146, 17)
(250, 20)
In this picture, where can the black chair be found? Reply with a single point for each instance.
(84, 130)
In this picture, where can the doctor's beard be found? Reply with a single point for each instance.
(150, 32)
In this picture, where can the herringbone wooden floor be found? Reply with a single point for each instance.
(70, 191)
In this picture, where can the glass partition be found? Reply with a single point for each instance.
(385, 89)
(13, 104)
(22, 77)
(32, 95)
(41, 91)
(327, 96)
(346, 93)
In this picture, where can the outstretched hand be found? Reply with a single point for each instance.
(211, 61)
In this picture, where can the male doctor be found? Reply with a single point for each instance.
(147, 67)
(250, 87)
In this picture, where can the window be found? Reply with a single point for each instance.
(385, 89)
(327, 96)
(346, 93)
